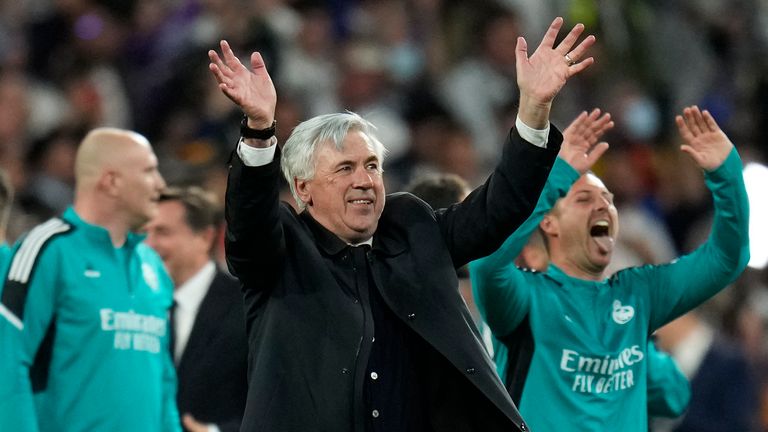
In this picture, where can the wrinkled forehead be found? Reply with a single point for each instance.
(356, 144)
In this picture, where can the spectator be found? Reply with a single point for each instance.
(208, 327)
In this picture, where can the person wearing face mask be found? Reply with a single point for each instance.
(576, 341)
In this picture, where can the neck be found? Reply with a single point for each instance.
(103, 215)
(576, 270)
(183, 275)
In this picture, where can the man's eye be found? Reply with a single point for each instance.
(373, 166)
(344, 169)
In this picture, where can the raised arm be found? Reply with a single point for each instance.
(254, 234)
(687, 282)
(541, 76)
(500, 293)
(252, 90)
(479, 224)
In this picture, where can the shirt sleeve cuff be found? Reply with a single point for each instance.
(256, 156)
(537, 137)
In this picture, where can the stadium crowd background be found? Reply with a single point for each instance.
(435, 76)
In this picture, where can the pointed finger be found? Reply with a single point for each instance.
(682, 126)
(699, 119)
(710, 121)
(217, 61)
(581, 49)
(580, 66)
(220, 78)
(690, 119)
(570, 39)
(549, 37)
(230, 58)
(578, 125)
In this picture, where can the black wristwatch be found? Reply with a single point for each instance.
(262, 134)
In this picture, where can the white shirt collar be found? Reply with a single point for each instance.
(188, 298)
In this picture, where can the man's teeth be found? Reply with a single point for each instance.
(361, 201)
(602, 223)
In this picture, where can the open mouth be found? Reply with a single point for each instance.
(601, 234)
(600, 228)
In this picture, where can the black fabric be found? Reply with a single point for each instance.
(15, 297)
(391, 388)
(307, 331)
(520, 346)
(212, 370)
(172, 330)
(41, 365)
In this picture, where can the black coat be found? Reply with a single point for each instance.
(212, 369)
(305, 332)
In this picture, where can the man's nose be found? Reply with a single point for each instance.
(363, 179)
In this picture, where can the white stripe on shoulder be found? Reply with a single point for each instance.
(13, 319)
(24, 259)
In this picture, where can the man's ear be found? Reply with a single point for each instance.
(109, 182)
(303, 190)
(549, 225)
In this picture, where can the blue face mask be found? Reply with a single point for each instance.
(641, 119)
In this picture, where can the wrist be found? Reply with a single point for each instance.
(534, 113)
(250, 129)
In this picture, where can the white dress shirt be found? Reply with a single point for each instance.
(188, 297)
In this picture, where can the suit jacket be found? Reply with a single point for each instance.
(307, 351)
(724, 394)
(213, 367)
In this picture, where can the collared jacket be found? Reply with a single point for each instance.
(308, 346)
(86, 326)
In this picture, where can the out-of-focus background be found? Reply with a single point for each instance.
(437, 77)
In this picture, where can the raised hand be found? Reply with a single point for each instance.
(252, 89)
(580, 147)
(705, 143)
(541, 76)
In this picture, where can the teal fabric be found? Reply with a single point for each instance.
(590, 361)
(669, 391)
(110, 367)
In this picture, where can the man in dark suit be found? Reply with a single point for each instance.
(354, 318)
(208, 329)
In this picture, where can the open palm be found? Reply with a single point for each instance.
(581, 147)
(705, 142)
(252, 89)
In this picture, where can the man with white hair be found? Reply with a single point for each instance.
(354, 318)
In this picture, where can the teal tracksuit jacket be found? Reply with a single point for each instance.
(84, 333)
(589, 366)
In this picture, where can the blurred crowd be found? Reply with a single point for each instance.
(437, 78)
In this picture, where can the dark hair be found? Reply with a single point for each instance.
(201, 208)
(439, 190)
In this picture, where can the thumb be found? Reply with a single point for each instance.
(521, 51)
(597, 152)
(257, 61)
(690, 151)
